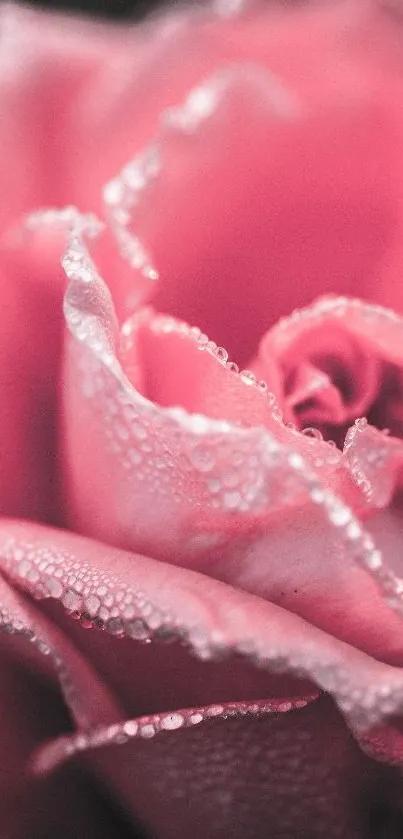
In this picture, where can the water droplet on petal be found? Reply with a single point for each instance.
(139, 431)
(172, 722)
(147, 731)
(71, 600)
(24, 568)
(202, 458)
(92, 604)
(314, 433)
(340, 515)
(221, 354)
(214, 485)
(135, 456)
(231, 479)
(138, 630)
(277, 413)
(232, 500)
(54, 587)
(115, 626)
(215, 710)
(247, 377)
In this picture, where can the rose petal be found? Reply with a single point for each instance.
(46, 60)
(194, 453)
(295, 774)
(209, 615)
(30, 347)
(341, 378)
(355, 347)
(88, 700)
(125, 593)
(263, 230)
(208, 493)
(66, 747)
(375, 462)
(169, 676)
(31, 712)
(174, 364)
(200, 138)
(35, 656)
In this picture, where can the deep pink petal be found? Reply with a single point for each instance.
(87, 698)
(30, 345)
(46, 62)
(210, 616)
(278, 230)
(251, 235)
(216, 496)
(32, 711)
(339, 359)
(179, 458)
(36, 661)
(174, 364)
(292, 774)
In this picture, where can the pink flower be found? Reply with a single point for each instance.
(201, 585)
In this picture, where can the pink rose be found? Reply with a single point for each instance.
(202, 610)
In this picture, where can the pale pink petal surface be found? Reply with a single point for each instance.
(144, 599)
(272, 556)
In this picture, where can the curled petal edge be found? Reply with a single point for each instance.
(57, 751)
(211, 618)
(79, 684)
(292, 468)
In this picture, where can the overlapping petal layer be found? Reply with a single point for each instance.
(279, 229)
(138, 599)
(225, 489)
(298, 772)
(216, 495)
(30, 351)
(339, 359)
(46, 688)
(93, 582)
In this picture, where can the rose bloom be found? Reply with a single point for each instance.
(200, 548)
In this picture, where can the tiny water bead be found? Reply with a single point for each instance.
(361, 423)
(71, 599)
(148, 727)
(202, 458)
(221, 354)
(122, 433)
(15, 626)
(251, 497)
(172, 721)
(342, 361)
(165, 323)
(132, 614)
(313, 433)
(247, 377)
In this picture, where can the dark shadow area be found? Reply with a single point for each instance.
(112, 9)
(386, 823)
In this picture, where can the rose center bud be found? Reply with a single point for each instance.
(332, 371)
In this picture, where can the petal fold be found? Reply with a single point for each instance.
(208, 615)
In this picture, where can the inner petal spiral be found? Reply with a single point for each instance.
(334, 367)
